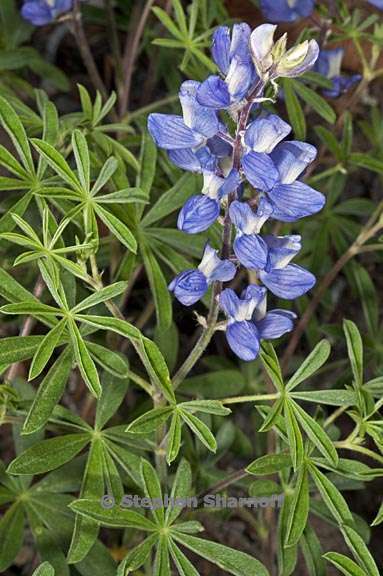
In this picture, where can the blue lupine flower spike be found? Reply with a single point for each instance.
(257, 151)
(42, 12)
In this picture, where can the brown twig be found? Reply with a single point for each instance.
(85, 51)
(130, 53)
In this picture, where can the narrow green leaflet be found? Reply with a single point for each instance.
(152, 489)
(11, 535)
(316, 434)
(81, 153)
(137, 556)
(316, 101)
(174, 438)
(269, 464)
(45, 350)
(379, 516)
(118, 228)
(360, 551)
(115, 516)
(150, 421)
(355, 350)
(16, 131)
(85, 530)
(294, 435)
(58, 163)
(45, 569)
(159, 288)
(49, 392)
(299, 509)
(200, 430)
(183, 564)
(18, 348)
(294, 109)
(180, 489)
(271, 364)
(311, 364)
(48, 454)
(233, 561)
(107, 293)
(331, 496)
(345, 565)
(312, 552)
(84, 361)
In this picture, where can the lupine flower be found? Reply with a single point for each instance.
(200, 211)
(329, 65)
(248, 322)
(191, 285)
(376, 3)
(197, 124)
(283, 279)
(276, 175)
(249, 247)
(232, 56)
(42, 12)
(272, 60)
(286, 10)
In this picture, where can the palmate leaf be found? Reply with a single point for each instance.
(269, 464)
(200, 429)
(173, 443)
(294, 435)
(150, 420)
(152, 489)
(312, 552)
(117, 227)
(359, 550)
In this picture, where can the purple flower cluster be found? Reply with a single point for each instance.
(42, 12)
(292, 10)
(257, 153)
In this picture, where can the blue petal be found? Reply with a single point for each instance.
(213, 268)
(199, 118)
(37, 14)
(170, 132)
(281, 249)
(220, 48)
(213, 93)
(376, 3)
(185, 159)
(240, 39)
(229, 302)
(251, 251)
(240, 77)
(231, 183)
(285, 11)
(290, 282)
(198, 213)
(294, 201)
(248, 221)
(189, 287)
(243, 339)
(260, 171)
(264, 134)
(329, 62)
(291, 158)
(219, 147)
(275, 324)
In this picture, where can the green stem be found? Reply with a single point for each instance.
(250, 398)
